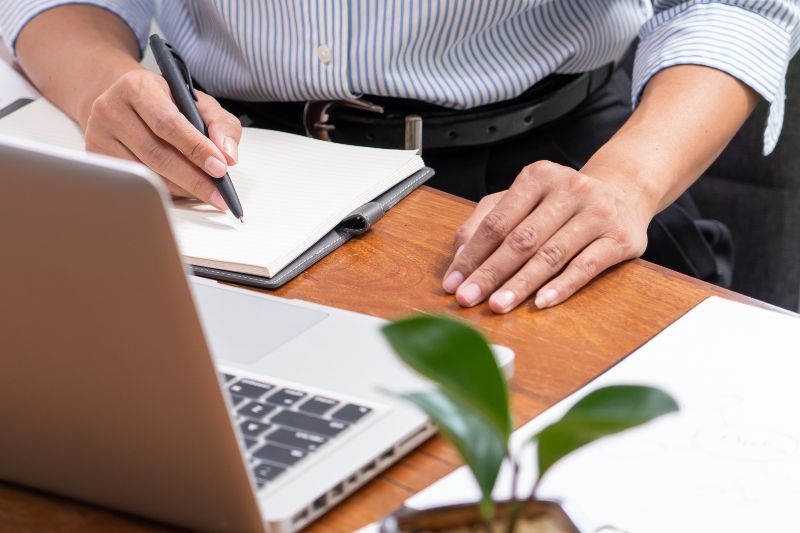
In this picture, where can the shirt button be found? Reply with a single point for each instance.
(324, 54)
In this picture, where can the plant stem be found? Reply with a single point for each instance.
(514, 511)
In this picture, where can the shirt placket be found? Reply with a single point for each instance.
(329, 51)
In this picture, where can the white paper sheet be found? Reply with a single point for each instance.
(728, 461)
(13, 86)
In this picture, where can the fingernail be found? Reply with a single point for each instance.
(452, 281)
(546, 298)
(470, 294)
(458, 250)
(231, 148)
(215, 167)
(217, 201)
(502, 300)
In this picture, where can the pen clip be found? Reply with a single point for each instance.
(184, 70)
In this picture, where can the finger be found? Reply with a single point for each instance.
(597, 257)
(165, 160)
(112, 147)
(467, 229)
(224, 129)
(546, 263)
(528, 189)
(162, 117)
(523, 243)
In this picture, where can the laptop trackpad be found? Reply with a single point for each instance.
(243, 328)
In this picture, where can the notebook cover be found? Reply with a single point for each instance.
(356, 223)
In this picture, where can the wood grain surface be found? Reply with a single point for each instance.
(395, 270)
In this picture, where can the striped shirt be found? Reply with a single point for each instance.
(455, 53)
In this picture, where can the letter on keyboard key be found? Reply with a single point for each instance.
(267, 472)
(251, 428)
(286, 397)
(297, 439)
(312, 424)
(250, 388)
(279, 455)
(318, 405)
(257, 410)
(351, 413)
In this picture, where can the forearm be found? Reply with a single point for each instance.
(686, 117)
(74, 53)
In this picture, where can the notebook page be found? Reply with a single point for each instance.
(41, 121)
(293, 191)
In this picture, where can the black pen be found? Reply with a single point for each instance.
(174, 70)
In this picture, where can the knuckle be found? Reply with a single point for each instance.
(489, 275)
(551, 255)
(578, 183)
(157, 157)
(101, 107)
(603, 210)
(588, 266)
(165, 125)
(495, 225)
(523, 240)
(197, 149)
(541, 168)
(461, 235)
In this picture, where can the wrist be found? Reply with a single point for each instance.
(100, 84)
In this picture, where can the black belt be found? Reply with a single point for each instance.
(384, 122)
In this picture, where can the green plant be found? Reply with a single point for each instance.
(470, 403)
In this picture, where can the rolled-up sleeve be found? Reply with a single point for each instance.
(14, 15)
(752, 40)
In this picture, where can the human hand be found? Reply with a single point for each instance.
(553, 231)
(136, 119)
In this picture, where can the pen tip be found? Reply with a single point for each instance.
(241, 219)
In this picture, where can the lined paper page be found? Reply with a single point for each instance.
(293, 191)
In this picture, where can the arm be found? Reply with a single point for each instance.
(557, 228)
(84, 59)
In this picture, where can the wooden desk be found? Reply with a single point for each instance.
(395, 270)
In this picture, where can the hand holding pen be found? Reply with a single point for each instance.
(136, 118)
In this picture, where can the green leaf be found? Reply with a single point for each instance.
(603, 412)
(478, 442)
(459, 359)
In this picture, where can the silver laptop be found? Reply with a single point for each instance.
(126, 383)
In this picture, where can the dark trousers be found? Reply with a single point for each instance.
(571, 140)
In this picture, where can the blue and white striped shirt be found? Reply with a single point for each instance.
(456, 53)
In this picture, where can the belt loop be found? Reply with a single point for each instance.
(413, 133)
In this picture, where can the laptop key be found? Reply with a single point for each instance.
(249, 443)
(228, 377)
(250, 388)
(297, 439)
(351, 413)
(251, 428)
(312, 424)
(236, 399)
(318, 405)
(279, 455)
(254, 409)
(286, 397)
(267, 472)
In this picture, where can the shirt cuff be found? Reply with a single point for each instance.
(137, 14)
(744, 44)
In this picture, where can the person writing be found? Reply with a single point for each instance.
(563, 195)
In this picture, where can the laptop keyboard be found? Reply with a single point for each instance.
(283, 426)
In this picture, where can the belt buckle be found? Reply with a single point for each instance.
(317, 113)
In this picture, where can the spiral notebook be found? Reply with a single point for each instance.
(302, 198)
